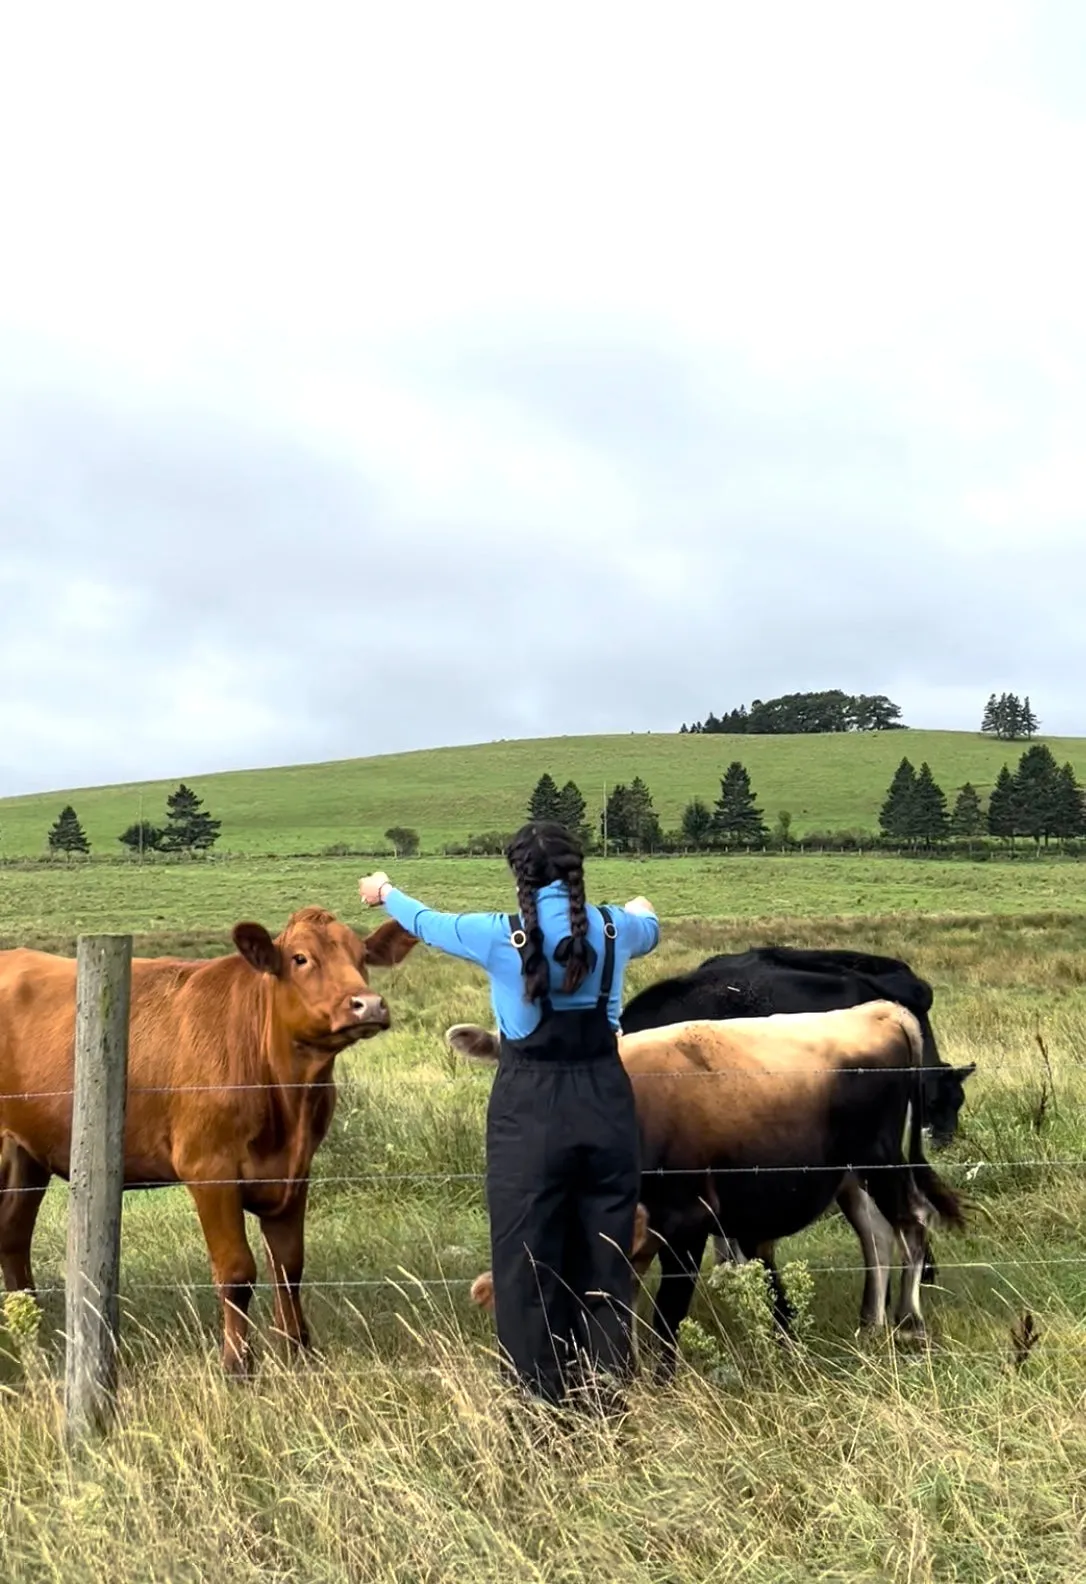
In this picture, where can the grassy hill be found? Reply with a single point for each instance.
(826, 782)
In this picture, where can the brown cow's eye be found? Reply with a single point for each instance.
(300, 958)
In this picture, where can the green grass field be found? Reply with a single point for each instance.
(392, 1456)
(447, 794)
(194, 906)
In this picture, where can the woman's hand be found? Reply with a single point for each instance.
(371, 887)
(640, 904)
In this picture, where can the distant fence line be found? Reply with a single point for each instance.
(995, 851)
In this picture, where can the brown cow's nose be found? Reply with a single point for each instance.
(370, 1008)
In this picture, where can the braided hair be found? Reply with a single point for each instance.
(540, 853)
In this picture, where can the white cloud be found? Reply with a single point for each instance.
(413, 336)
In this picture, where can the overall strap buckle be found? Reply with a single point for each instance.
(610, 935)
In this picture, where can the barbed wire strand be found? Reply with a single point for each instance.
(348, 1083)
(367, 1283)
(446, 1177)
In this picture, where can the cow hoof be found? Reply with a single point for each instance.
(237, 1368)
(910, 1329)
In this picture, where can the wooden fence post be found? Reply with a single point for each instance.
(100, 1083)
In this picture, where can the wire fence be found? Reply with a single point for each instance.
(999, 1268)
(971, 1168)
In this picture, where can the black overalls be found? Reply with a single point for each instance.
(563, 1177)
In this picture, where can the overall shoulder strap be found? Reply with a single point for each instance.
(609, 936)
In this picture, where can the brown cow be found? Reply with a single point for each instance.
(230, 1091)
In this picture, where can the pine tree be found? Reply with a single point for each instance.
(571, 811)
(1008, 718)
(1037, 793)
(142, 837)
(697, 826)
(968, 816)
(67, 835)
(543, 803)
(1002, 807)
(735, 813)
(614, 824)
(1012, 719)
(1071, 806)
(643, 824)
(190, 827)
(895, 816)
(927, 816)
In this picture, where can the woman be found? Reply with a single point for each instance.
(563, 1158)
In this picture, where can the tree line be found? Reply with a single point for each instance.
(1007, 716)
(1040, 800)
(188, 828)
(629, 821)
(805, 713)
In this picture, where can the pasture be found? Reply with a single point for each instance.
(834, 782)
(391, 1454)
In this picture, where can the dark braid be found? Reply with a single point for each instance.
(540, 853)
(537, 974)
(575, 952)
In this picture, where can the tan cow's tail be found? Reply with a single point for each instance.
(943, 1200)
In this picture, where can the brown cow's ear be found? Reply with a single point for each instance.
(388, 945)
(472, 1042)
(257, 947)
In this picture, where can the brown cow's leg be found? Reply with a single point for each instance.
(232, 1265)
(284, 1242)
(23, 1182)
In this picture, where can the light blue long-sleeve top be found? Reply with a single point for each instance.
(483, 938)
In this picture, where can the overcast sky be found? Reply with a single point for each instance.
(391, 376)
